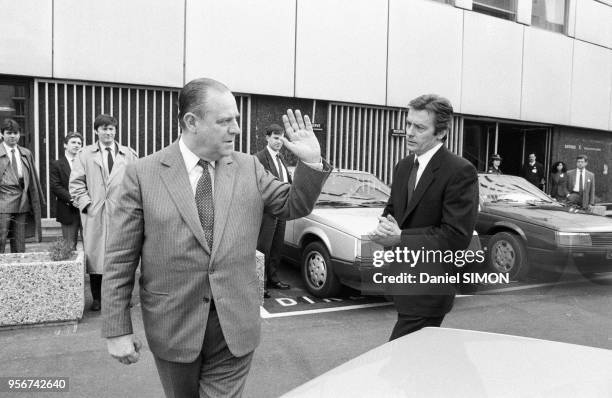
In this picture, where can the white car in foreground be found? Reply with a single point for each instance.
(448, 363)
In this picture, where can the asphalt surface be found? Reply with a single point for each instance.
(308, 339)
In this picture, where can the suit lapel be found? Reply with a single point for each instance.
(65, 168)
(225, 173)
(175, 178)
(427, 178)
(4, 160)
(97, 159)
(119, 160)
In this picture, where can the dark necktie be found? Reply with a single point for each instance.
(412, 181)
(279, 164)
(109, 157)
(204, 203)
(580, 183)
(14, 163)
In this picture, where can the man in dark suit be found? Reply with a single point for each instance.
(191, 214)
(533, 171)
(581, 184)
(21, 197)
(433, 206)
(272, 232)
(66, 211)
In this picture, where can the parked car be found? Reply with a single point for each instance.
(522, 228)
(328, 243)
(331, 245)
(441, 362)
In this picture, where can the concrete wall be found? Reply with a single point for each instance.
(378, 52)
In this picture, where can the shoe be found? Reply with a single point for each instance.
(95, 306)
(266, 293)
(278, 285)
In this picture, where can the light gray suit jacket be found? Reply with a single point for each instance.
(156, 220)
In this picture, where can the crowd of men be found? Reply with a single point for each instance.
(193, 214)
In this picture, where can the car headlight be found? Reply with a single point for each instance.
(573, 239)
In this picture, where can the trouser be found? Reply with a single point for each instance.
(70, 232)
(14, 223)
(95, 281)
(215, 373)
(407, 324)
(272, 237)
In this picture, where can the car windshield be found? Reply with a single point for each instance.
(353, 189)
(495, 188)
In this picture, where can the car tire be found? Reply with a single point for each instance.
(317, 271)
(506, 254)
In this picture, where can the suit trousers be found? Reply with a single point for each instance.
(407, 324)
(272, 238)
(15, 223)
(70, 232)
(215, 373)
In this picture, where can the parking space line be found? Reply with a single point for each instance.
(536, 285)
(265, 314)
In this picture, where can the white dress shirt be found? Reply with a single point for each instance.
(424, 160)
(17, 157)
(104, 154)
(577, 182)
(194, 171)
(282, 174)
(70, 161)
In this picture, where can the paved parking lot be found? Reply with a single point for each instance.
(303, 339)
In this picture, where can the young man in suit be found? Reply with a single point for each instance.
(581, 184)
(272, 232)
(66, 211)
(533, 171)
(433, 206)
(95, 186)
(21, 196)
(191, 214)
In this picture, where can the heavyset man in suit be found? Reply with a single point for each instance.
(433, 206)
(191, 213)
(95, 186)
(21, 196)
(581, 184)
(66, 210)
(272, 232)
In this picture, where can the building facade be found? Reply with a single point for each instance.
(523, 75)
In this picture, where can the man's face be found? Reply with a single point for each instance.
(420, 130)
(216, 132)
(106, 134)
(11, 137)
(532, 158)
(73, 145)
(274, 141)
(581, 163)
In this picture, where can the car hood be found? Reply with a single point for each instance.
(558, 218)
(356, 221)
(479, 364)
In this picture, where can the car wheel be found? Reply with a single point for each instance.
(317, 271)
(506, 254)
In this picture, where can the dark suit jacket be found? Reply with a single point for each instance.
(588, 196)
(441, 215)
(59, 177)
(269, 164)
(35, 193)
(533, 177)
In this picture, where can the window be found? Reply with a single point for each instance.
(549, 14)
(505, 9)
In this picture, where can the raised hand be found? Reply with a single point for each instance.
(302, 140)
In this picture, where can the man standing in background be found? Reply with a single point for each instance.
(272, 232)
(21, 195)
(95, 184)
(581, 184)
(66, 211)
(533, 171)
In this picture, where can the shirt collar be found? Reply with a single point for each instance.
(272, 152)
(426, 157)
(191, 159)
(8, 148)
(103, 147)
